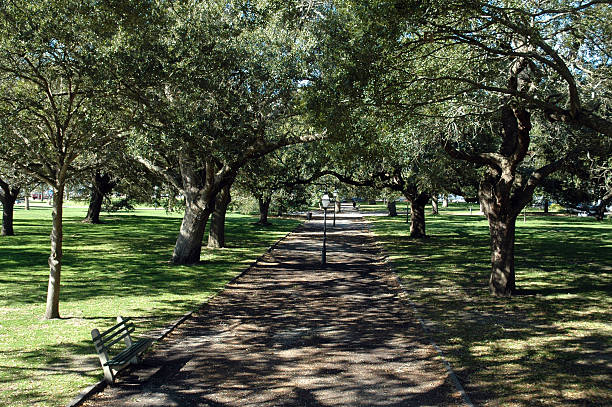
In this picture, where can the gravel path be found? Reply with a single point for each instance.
(293, 333)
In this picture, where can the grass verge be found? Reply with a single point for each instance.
(550, 345)
(117, 268)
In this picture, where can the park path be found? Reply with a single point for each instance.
(290, 332)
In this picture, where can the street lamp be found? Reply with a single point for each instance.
(324, 203)
(335, 205)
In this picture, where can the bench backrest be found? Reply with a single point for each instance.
(121, 331)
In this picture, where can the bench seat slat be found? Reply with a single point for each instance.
(128, 354)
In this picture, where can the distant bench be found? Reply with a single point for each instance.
(105, 340)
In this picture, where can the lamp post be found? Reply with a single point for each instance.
(335, 203)
(324, 203)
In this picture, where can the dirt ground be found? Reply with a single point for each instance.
(291, 332)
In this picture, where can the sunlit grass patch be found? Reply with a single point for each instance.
(550, 345)
(118, 268)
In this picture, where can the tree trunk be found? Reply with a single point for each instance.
(101, 185)
(264, 209)
(188, 245)
(417, 218)
(434, 205)
(171, 203)
(27, 202)
(545, 205)
(8, 196)
(216, 235)
(445, 201)
(95, 207)
(8, 205)
(338, 205)
(55, 259)
(392, 207)
(600, 209)
(502, 281)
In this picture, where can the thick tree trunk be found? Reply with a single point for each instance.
(216, 235)
(95, 207)
(338, 205)
(188, 245)
(417, 218)
(546, 206)
(502, 281)
(392, 208)
(101, 185)
(600, 209)
(264, 209)
(27, 202)
(434, 205)
(445, 201)
(8, 196)
(55, 259)
(8, 205)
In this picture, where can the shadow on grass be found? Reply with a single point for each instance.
(127, 255)
(119, 267)
(548, 345)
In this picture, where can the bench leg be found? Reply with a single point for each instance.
(103, 355)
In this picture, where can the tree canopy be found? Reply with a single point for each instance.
(419, 97)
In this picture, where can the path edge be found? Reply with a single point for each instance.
(95, 388)
(389, 265)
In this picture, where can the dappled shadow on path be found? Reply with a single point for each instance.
(293, 333)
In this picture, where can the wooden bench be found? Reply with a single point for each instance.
(105, 340)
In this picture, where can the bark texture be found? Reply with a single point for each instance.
(417, 215)
(8, 206)
(55, 258)
(101, 185)
(216, 235)
(264, 210)
(434, 206)
(445, 201)
(502, 281)
(188, 245)
(8, 196)
(392, 208)
(600, 209)
(200, 188)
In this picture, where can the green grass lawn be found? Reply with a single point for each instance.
(550, 345)
(117, 268)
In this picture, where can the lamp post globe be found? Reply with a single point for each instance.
(325, 201)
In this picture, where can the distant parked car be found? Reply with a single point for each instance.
(456, 198)
(583, 210)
